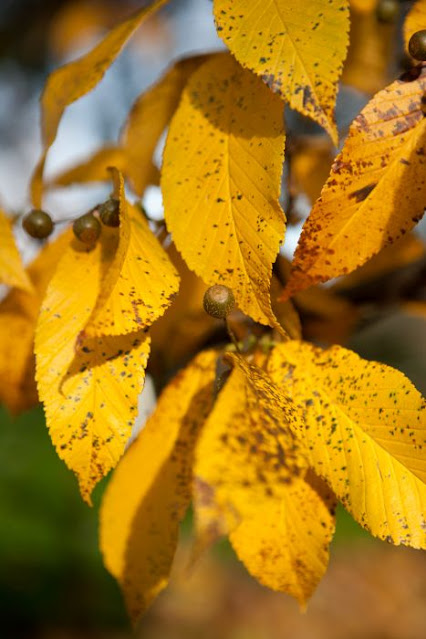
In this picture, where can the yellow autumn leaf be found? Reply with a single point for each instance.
(368, 66)
(310, 165)
(407, 250)
(325, 315)
(415, 20)
(185, 325)
(221, 181)
(365, 429)
(247, 451)
(376, 191)
(149, 117)
(94, 169)
(285, 545)
(249, 471)
(297, 49)
(89, 386)
(285, 312)
(18, 318)
(151, 488)
(364, 6)
(70, 82)
(12, 272)
(139, 282)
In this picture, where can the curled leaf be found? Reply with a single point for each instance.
(150, 491)
(70, 82)
(139, 281)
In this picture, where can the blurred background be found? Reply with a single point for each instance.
(52, 581)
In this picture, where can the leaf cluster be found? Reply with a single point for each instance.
(263, 430)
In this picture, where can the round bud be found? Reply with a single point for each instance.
(109, 212)
(387, 11)
(87, 228)
(218, 301)
(417, 45)
(423, 103)
(38, 224)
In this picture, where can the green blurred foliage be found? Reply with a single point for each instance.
(51, 570)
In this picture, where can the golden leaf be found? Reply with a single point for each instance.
(365, 429)
(285, 545)
(247, 451)
(94, 169)
(184, 327)
(70, 82)
(12, 272)
(310, 166)
(151, 488)
(140, 280)
(250, 483)
(376, 191)
(221, 181)
(363, 6)
(415, 20)
(407, 250)
(372, 44)
(18, 317)
(297, 49)
(89, 386)
(149, 117)
(325, 315)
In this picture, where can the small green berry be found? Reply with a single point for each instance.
(87, 228)
(38, 224)
(109, 212)
(417, 45)
(218, 301)
(387, 11)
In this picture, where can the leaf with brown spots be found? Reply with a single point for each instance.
(415, 20)
(297, 48)
(376, 191)
(70, 82)
(149, 117)
(150, 491)
(365, 430)
(247, 451)
(18, 318)
(12, 272)
(250, 470)
(221, 181)
(89, 387)
(285, 545)
(139, 282)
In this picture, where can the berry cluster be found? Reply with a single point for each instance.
(87, 228)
